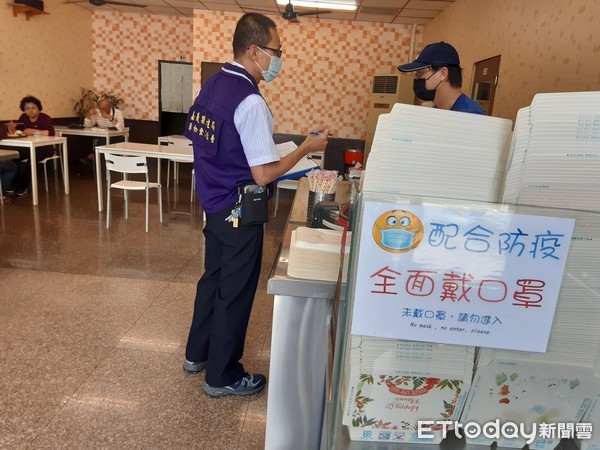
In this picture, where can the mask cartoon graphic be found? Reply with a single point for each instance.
(398, 231)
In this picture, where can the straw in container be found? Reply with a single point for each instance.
(322, 181)
(321, 188)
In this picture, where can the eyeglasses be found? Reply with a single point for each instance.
(278, 53)
(421, 73)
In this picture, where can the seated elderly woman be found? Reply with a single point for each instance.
(33, 122)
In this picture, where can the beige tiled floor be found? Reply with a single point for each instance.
(93, 324)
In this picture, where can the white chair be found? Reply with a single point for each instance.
(292, 185)
(174, 141)
(129, 165)
(175, 169)
(54, 158)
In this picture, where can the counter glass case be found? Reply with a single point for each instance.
(571, 320)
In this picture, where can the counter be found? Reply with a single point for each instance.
(299, 344)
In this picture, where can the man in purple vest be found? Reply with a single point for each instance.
(231, 128)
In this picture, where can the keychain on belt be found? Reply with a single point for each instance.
(235, 215)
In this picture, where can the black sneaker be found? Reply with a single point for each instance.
(194, 367)
(250, 384)
(20, 191)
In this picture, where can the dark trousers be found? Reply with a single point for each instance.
(23, 176)
(224, 297)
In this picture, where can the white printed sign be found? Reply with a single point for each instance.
(466, 277)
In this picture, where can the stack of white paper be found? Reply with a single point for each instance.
(439, 153)
(302, 167)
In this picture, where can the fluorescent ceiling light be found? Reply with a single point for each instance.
(329, 4)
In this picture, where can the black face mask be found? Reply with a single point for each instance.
(421, 92)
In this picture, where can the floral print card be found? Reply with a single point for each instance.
(531, 394)
(388, 407)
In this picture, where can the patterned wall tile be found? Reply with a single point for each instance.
(327, 67)
(545, 45)
(127, 48)
(326, 75)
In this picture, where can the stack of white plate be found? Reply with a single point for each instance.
(438, 153)
(395, 383)
(315, 254)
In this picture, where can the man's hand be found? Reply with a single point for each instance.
(316, 140)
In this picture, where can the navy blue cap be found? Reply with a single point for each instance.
(440, 54)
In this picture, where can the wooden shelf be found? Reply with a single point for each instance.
(28, 10)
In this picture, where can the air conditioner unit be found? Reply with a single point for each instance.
(386, 90)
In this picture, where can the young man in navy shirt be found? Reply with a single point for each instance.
(438, 79)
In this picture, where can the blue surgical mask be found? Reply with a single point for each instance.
(397, 239)
(273, 69)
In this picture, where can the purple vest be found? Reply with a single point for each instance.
(219, 160)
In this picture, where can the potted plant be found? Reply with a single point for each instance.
(89, 99)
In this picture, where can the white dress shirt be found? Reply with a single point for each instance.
(254, 123)
(116, 120)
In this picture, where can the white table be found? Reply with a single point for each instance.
(183, 154)
(93, 132)
(176, 140)
(32, 142)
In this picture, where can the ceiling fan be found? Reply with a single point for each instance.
(292, 16)
(107, 2)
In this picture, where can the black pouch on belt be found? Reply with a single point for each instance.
(254, 201)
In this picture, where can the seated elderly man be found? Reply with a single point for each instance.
(105, 116)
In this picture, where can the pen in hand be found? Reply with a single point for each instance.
(316, 133)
